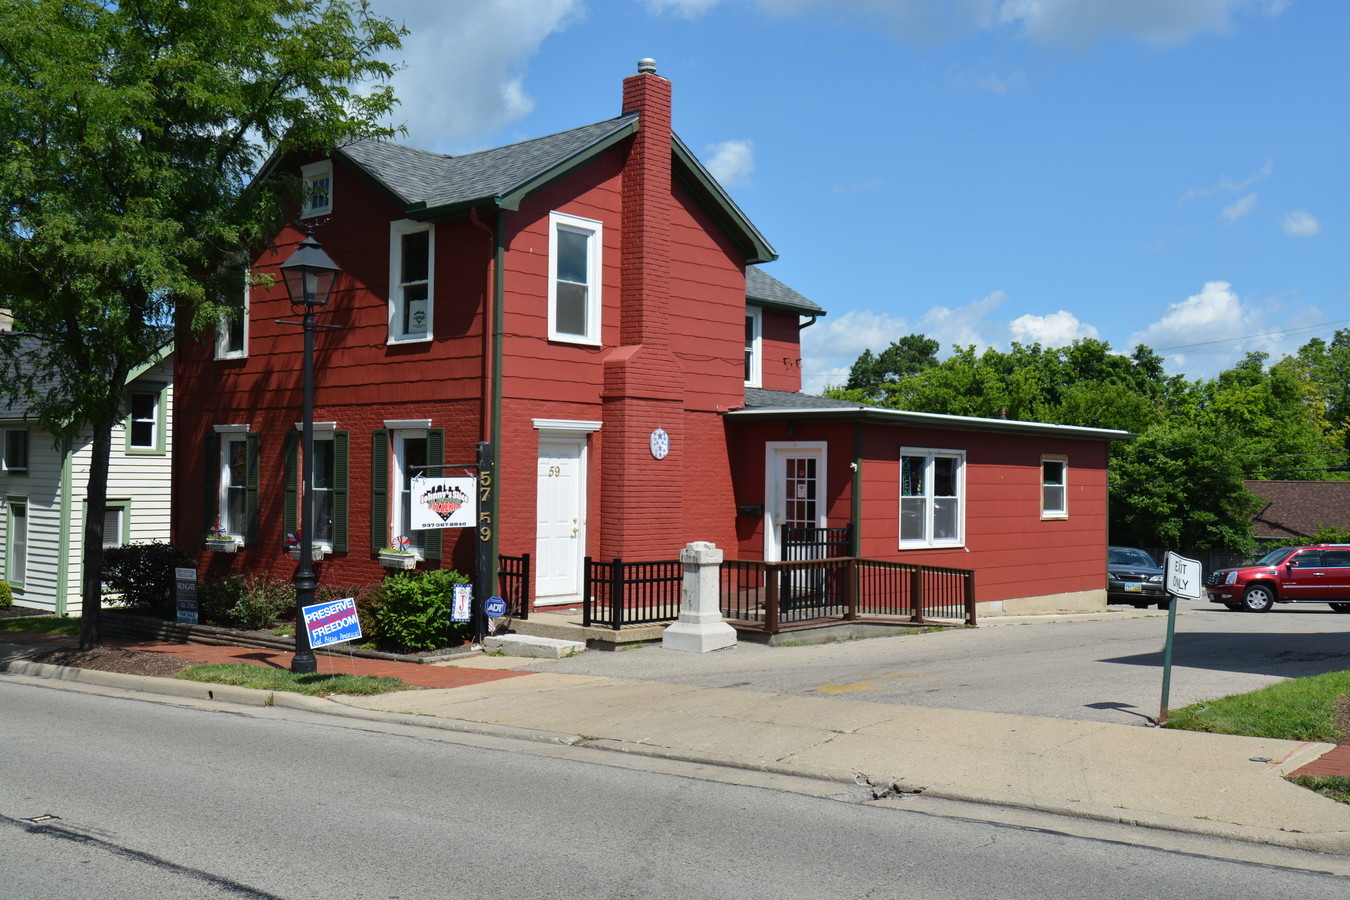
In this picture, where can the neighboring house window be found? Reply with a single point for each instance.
(574, 279)
(1054, 487)
(754, 325)
(145, 425)
(232, 329)
(232, 486)
(411, 277)
(16, 555)
(115, 523)
(330, 486)
(318, 179)
(405, 449)
(15, 460)
(932, 497)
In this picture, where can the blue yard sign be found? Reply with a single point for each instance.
(334, 622)
(495, 607)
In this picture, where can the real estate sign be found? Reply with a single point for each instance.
(185, 594)
(334, 622)
(443, 502)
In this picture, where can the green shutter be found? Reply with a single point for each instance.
(435, 458)
(251, 488)
(340, 456)
(210, 481)
(379, 490)
(290, 453)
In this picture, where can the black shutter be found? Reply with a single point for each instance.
(379, 490)
(340, 457)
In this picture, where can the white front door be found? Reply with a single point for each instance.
(560, 535)
(794, 491)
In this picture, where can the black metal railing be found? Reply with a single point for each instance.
(636, 593)
(817, 543)
(513, 583)
(766, 596)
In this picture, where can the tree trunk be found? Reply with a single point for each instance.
(96, 503)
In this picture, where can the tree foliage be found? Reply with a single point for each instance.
(1180, 482)
(134, 134)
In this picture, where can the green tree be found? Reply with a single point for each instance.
(133, 136)
(905, 356)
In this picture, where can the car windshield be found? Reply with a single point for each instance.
(1124, 556)
(1275, 557)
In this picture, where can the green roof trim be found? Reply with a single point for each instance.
(717, 203)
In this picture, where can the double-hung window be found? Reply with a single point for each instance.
(329, 529)
(399, 452)
(574, 267)
(16, 541)
(1054, 487)
(15, 460)
(115, 516)
(232, 484)
(145, 424)
(411, 281)
(232, 329)
(754, 327)
(318, 179)
(932, 497)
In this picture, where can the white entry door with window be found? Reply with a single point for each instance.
(560, 535)
(794, 491)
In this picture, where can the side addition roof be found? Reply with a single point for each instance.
(762, 289)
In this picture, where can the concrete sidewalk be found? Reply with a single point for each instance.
(1217, 785)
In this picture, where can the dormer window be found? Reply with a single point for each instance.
(318, 178)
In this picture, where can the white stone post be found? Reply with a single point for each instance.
(700, 627)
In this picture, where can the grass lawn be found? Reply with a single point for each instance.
(43, 625)
(265, 678)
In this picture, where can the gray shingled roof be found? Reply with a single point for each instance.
(28, 347)
(762, 289)
(438, 179)
(1295, 509)
(777, 406)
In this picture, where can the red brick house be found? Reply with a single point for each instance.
(589, 303)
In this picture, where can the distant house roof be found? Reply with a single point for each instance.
(1296, 509)
(783, 405)
(762, 289)
(23, 346)
(437, 185)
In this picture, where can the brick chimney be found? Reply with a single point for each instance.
(644, 382)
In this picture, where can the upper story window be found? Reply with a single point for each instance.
(932, 497)
(411, 278)
(318, 178)
(145, 425)
(574, 267)
(232, 329)
(15, 460)
(1054, 487)
(754, 356)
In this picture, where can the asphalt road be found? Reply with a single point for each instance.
(1107, 669)
(151, 800)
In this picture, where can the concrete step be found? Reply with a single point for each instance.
(533, 647)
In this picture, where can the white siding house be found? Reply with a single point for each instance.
(43, 491)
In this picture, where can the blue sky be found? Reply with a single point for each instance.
(1172, 172)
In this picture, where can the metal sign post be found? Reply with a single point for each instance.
(1183, 580)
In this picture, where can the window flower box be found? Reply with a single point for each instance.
(222, 544)
(398, 559)
(316, 552)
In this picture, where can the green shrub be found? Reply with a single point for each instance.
(6, 595)
(247, 601)
(143, 575)
(415, 612)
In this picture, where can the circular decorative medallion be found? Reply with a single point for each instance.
(660, 443)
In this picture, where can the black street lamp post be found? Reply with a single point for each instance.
(309, 275)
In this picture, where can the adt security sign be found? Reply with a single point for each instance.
(333, 622)
(1183, 577)
(495, 607)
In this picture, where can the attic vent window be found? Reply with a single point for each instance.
(318, 178)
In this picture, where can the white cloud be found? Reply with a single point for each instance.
(1300, 223)
(465, 64)
(1002, 84)
(1059, 329)
(731, 162)
(688, 9)
(1227, 185)
(1210, 331)
(1079, 23)
(1241, 207)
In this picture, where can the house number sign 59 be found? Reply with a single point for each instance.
(660, 443)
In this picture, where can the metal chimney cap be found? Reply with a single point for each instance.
(646, 67)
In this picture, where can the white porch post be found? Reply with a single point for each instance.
(700, 627)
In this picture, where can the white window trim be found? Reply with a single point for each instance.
(932, 453)
(397, 230)
(17, 578)
(756, 315)
(311, 173)
(595, 230)
(399, 432)
(156, 445)
(234, 434)
(223, 350)
(1063, 511)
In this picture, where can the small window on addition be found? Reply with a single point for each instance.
(1054, 487)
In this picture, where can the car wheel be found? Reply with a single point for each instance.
(1164, 604)
(1341, 607)
(1235, 607)
(1259, 598)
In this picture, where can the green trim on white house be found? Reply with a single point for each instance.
(63, 553)
(161, 420)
